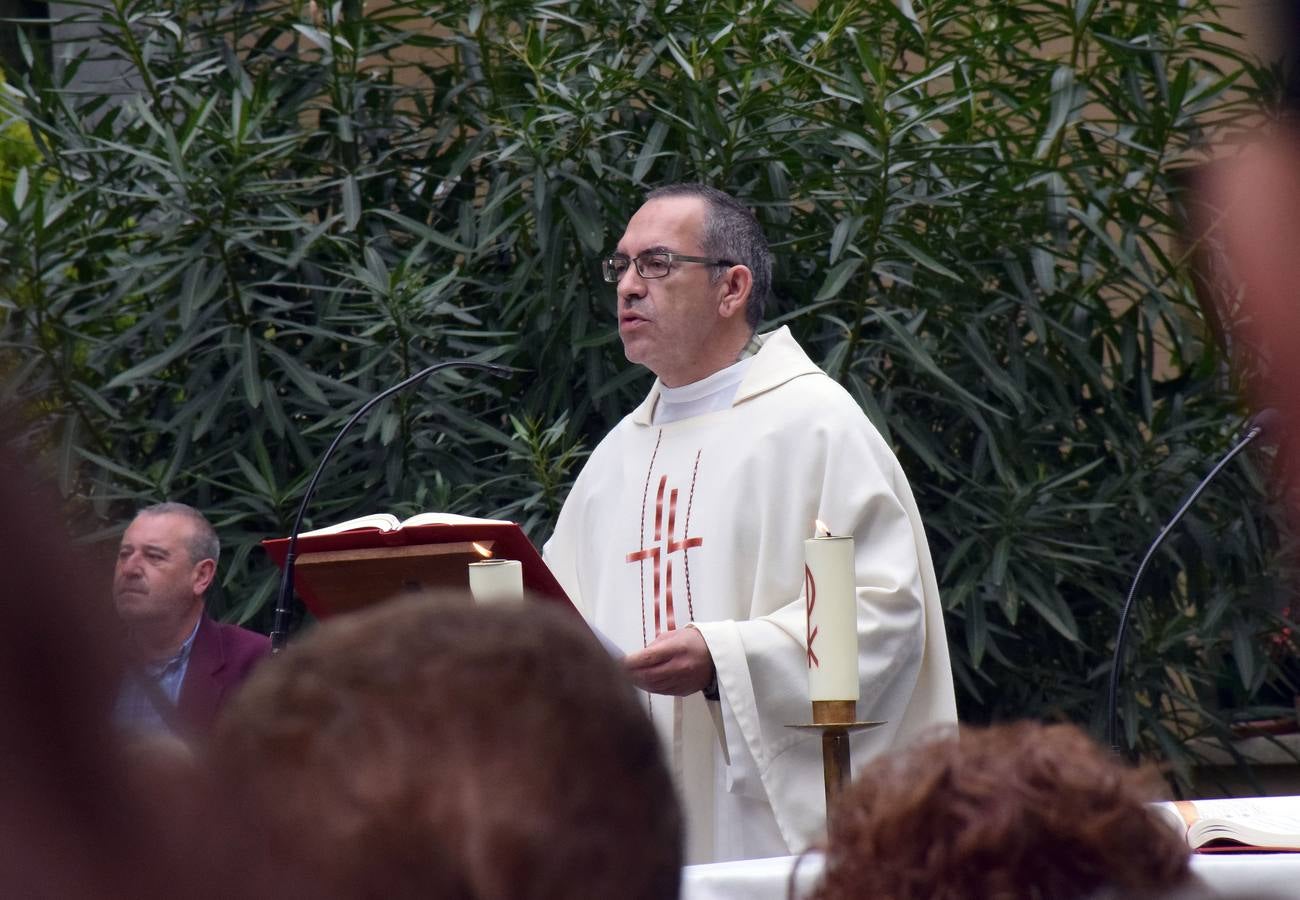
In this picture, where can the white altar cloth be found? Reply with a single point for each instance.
(1262, 875)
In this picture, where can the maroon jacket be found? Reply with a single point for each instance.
(221, 657)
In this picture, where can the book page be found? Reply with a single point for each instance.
(441, 518)
(1263, 821)
(1248, 808)
(382, 521)
(388, 522)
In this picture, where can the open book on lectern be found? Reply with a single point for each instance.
(368, 559)
(1241, 825)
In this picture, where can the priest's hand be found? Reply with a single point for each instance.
(677, 662)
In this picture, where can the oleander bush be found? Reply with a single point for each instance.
(975, 209)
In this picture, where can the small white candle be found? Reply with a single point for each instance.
(497, 581)
(831, 598)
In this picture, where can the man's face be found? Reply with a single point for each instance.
(669, 325)
(154, 579)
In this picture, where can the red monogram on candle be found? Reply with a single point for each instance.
(810, 589)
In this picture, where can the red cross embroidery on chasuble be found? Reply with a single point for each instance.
(663, 546)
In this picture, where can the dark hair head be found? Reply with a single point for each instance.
(1020, 810)
(416, 750)
(730, 232)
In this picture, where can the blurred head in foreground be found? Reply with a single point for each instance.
(1245, 222)
(421, 750)
(82, 815)
(1012, 811)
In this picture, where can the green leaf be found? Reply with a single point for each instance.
(351, 203)
(1001, 554)
(649, 150)
(1243, 652)
(144, 369)
(1063, 102)
(837, 278)
(1056, 613)
(916, 254)
(20, 188)
(252, 378)
(258, 480)
(845, 230)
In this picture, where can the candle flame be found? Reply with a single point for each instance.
(822, 529)
(482, 551)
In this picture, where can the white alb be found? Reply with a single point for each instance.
(701, 522)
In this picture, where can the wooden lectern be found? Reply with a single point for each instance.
(344, 571)
(343, 580)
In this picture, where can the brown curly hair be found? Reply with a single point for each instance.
(1022, 810)
(415, 750)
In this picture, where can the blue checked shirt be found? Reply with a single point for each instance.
(145, 687)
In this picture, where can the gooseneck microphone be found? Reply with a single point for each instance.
(1263, 421)
(278, 634)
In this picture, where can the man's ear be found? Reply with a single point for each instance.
(204, 571)
(736, 284)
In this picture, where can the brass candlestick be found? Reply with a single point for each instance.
(836, 720)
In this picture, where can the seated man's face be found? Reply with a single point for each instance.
(155, 578)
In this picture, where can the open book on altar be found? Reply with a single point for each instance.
(364, 560)
(1246, 824)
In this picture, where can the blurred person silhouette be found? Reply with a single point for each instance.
(420, 749)
(79, 816)
(1245, 224)
(1008, 812)
(1250, 207)
(1246, 221)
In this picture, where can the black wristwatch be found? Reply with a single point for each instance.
(710, 691)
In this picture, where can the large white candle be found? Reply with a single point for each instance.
(497, 581)
(832, 637)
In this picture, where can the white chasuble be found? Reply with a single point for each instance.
(701, 522)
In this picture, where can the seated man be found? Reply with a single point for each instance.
(1021, 810)
(185, 664)
(413, 750)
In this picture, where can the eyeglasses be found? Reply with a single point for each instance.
(651, 264)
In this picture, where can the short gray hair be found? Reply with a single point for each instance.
(203, 543)
(732, 233)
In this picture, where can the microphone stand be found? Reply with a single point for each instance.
(1257, 426)
(278, 634)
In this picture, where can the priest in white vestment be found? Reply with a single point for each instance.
(682, 540)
